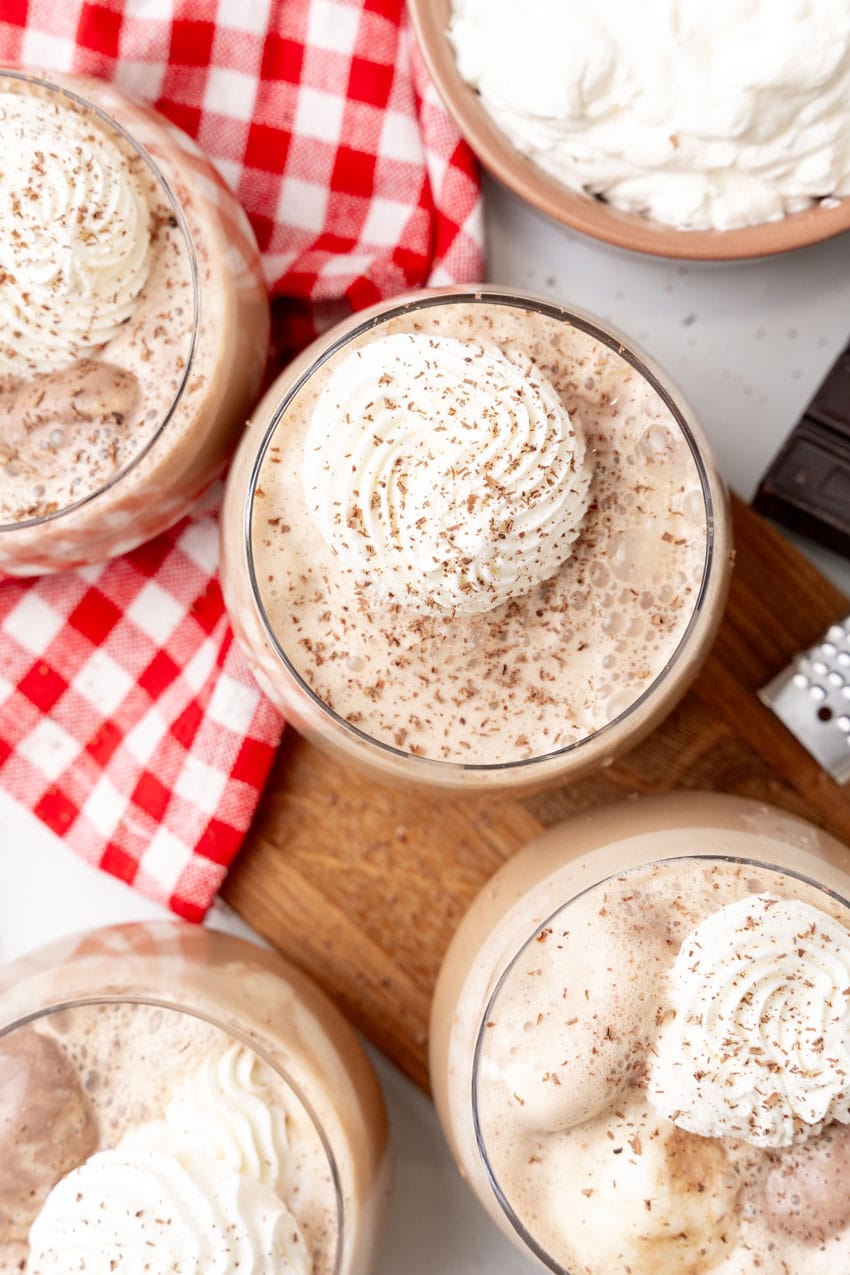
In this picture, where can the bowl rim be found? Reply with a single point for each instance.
(583, 212)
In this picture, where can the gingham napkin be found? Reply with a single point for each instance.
(128, 721)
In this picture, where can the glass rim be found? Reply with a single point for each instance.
(500, 1194)
(244, 1038)
(618, 345)
(112, 125)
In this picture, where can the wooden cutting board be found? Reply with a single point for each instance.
(362, 886)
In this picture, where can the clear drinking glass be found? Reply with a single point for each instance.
(157, 1032)
(115, 441)
(327, 659)
(547, 1018)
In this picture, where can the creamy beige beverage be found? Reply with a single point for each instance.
(228, 1123)
(641, 1043)
(133, 323)
(479, 533)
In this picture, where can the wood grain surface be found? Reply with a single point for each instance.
(362, 886)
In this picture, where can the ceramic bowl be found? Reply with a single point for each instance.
(583, 212)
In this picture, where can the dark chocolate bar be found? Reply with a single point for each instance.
(807, 487)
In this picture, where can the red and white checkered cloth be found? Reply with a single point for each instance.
(128, 720)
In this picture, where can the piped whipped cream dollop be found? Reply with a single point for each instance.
(144, 1211)
(446, 473)
(220, 1113)
(696, 115)
(195, 1192)
(758, 1047)
(75, 248)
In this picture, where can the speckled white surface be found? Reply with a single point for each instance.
(746, 343)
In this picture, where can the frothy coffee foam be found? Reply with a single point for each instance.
(542, 670)
(154, 1079)
(600, 1179)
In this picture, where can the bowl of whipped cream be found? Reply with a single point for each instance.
(676, 129)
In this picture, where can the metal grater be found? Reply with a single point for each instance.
(812, 698)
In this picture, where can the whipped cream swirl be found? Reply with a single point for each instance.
(74, 253)
(198, 1191)
(759, 1047)
(220, 1113)
(446, 473)
(144, 1211)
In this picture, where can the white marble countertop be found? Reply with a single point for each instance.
(747, 343)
